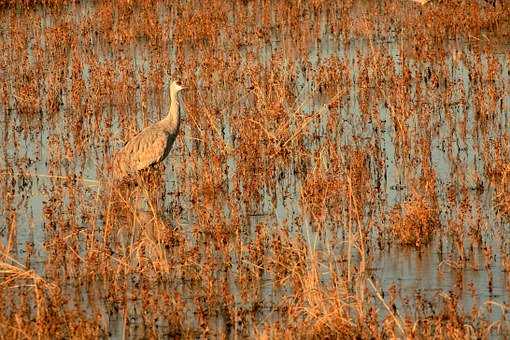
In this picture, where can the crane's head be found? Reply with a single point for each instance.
(176, 86)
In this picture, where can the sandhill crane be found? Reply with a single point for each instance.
(153, 144)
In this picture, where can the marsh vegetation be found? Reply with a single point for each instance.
(342, 169)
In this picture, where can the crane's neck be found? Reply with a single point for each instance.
(173, 117)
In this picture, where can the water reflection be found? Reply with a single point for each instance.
(52, 173)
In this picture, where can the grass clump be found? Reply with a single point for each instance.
(502, 198)
(414, 221)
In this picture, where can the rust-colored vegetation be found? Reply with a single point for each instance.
(342, 169)
(414, 222)
(502, 190)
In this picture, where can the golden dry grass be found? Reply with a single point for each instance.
(414, 221)
(269, 219)
(499, 174)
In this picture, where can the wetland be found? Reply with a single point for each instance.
(342, 169)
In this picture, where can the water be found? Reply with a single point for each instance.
(106, 92)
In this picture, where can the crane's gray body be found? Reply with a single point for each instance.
(152, 145)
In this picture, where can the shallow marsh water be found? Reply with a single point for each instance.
(295, 150)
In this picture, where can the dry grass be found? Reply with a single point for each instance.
(502, 190)
(414, 222)
(305, 122)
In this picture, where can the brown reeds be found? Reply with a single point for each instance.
(341, 169)
(414, 221)
(502, 190)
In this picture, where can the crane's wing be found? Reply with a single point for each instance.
(147, 148)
